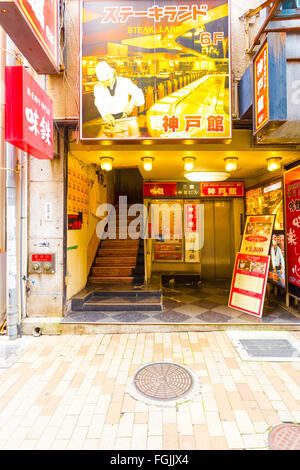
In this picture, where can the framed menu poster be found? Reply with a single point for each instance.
(258, 234)
(249, 282)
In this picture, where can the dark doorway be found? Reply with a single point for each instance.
(129, 182)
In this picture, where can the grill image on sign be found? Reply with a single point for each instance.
(285, 437)
(163, 381)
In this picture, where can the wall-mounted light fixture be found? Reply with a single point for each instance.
(189, 163)
(273, 163)
(106, 163)
(147, 162)
(231, 163)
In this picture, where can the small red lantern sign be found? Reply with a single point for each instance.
(28, 114)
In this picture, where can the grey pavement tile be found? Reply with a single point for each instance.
(171, 316)
(213, 317)
(190, 309)
(130, 317)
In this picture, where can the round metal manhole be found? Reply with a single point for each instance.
(163, 381)
(284, 437)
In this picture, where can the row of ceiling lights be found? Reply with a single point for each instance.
(273, 164)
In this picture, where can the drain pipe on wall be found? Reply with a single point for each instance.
(23, 238)
(12, 310)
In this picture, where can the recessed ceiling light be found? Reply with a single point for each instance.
(207, 176)
(273, 163)
(231, 163)
(147, 161)
(106, 163)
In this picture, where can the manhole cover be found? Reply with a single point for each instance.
(164, 384)
(163, 381)
(284, 437)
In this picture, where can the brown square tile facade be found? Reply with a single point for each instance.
(71, 392)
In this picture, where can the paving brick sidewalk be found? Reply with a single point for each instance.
(70, 392)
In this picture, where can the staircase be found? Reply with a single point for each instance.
(119, 261)
(119, 301)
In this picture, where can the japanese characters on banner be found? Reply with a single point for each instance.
(192, 231)
(33, 25)
(155, 69)
(257, 235)
(187, 190)
(292, 219)
(43, 18)
(261, 86)
(28, 114)
(160, 189)
(226, 189)
(248, 285)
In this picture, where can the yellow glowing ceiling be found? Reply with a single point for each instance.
(168, 164)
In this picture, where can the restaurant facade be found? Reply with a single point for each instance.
(157, 165)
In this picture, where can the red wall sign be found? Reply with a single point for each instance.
(37, 20)
(28, 114)
(248, 286)
(42, 258)
(224, 189)
(292, 214)
(191, 218)
(160, 189)
(261, 98)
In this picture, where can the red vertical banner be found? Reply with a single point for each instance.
(261, 86)
(191, 218)
(292, 216)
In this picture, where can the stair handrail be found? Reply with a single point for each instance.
(145, 235)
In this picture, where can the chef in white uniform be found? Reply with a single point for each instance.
(115, 98)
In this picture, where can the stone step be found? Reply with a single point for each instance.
(111, 261)
(123, 302)
(119, 244)
(122, 252)
(111, 280)
(111, 271)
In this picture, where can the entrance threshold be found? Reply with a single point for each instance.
(170, 303)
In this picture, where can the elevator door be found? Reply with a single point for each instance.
(218, 249)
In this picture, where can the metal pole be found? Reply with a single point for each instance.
(11, 213)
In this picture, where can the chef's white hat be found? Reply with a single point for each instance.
(103, 71)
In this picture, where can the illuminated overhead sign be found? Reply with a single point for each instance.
(33, 26)
(28, 114)
(155, 70)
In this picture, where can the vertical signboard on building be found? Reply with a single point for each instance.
(269, 80)
(261, 95)
(33, 25)
(28, 114)
(155, 69)
(292, 220)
